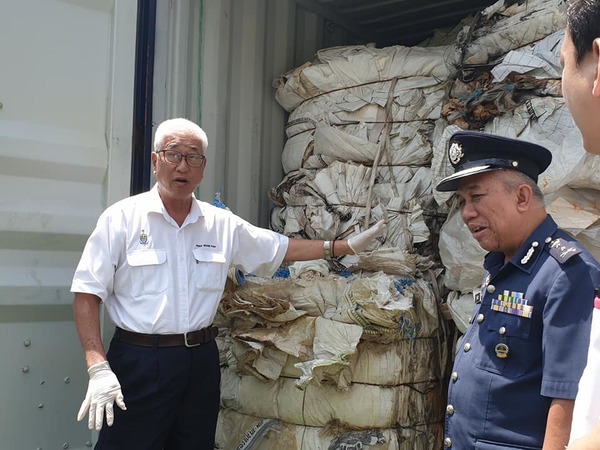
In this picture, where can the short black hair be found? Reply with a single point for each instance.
(583, 25)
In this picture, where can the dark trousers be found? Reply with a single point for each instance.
(172, 398)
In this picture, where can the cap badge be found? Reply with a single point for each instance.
(455, 153)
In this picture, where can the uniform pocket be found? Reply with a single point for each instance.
(148, 271)
(211, 270)
(514, 332)
(511, 325)
(491, 445)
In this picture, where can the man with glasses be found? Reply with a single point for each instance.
(174, 157)
(159, 262)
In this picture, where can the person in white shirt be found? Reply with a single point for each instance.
(158, 261)
(580, 58)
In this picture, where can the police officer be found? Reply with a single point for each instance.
(517, 367)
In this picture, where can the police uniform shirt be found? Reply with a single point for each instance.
(526, 344)
(156, 277)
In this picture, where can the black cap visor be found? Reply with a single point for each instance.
(450, 183)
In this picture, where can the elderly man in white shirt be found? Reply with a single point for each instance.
(159, 261)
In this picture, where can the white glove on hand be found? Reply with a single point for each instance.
(103, 390)
(361, 241)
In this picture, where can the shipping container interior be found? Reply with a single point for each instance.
(220, 57)
(65, 142)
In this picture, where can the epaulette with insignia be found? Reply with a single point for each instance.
(562, 250)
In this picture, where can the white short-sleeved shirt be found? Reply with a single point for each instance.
(586, 413)
(156, 277)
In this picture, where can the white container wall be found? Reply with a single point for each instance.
(66, 105)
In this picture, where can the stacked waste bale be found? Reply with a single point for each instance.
(350, 353)
(509, 84)
(360, 133)
(320, 361)
(508, 25)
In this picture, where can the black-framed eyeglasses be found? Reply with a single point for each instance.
(192, 159)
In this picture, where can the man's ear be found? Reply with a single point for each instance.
(596, 53)
(153, 156)
(524, 197)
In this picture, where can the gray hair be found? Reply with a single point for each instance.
(514, 179)
(178, 126)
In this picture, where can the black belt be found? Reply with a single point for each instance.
(189, 339)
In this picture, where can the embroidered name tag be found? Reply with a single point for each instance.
(514, 303)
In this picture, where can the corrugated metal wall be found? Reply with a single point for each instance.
(66, 84)
(217, 66)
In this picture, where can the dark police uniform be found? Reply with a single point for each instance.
(526, 344)
(528, 338)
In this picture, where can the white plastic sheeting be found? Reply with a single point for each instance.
(333, 202)
(359, 142)
(508, 28)
(343, 67)
(539, 60)
(317, 405)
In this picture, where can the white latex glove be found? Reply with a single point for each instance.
(361, 241)
(103, 390)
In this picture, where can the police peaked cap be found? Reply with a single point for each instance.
(472, 152)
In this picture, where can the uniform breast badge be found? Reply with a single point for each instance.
(501, 350)
(143, 238)
(514, 303)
